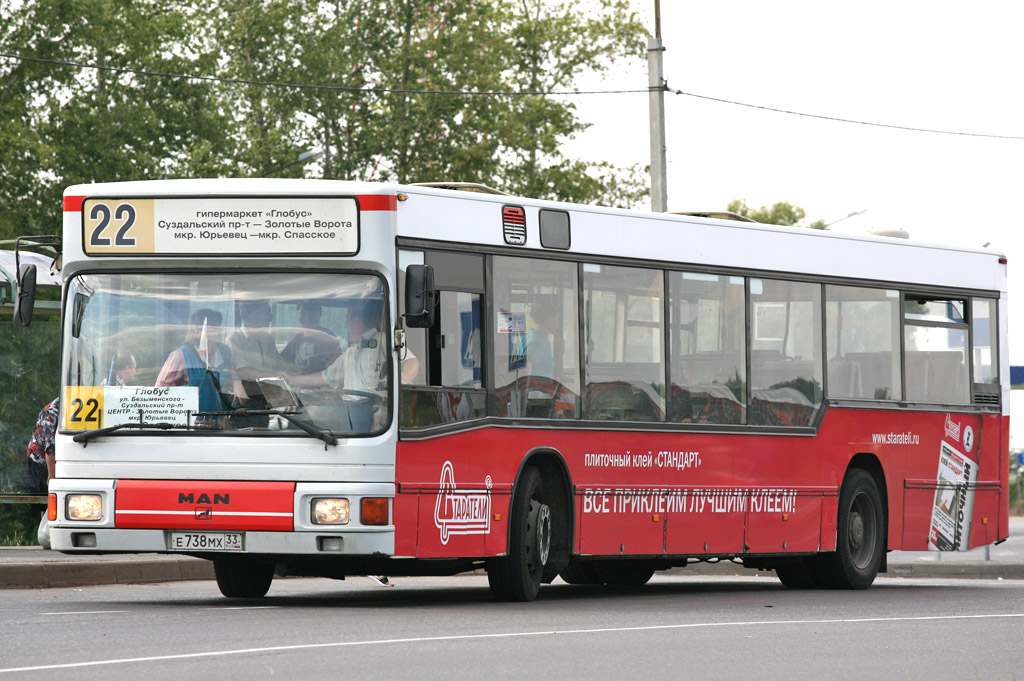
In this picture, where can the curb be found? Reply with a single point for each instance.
(957, 570)
(68, 573)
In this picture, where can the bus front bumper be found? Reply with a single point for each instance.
(102, 516)
(339, 543)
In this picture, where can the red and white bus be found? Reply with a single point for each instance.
(338, 378)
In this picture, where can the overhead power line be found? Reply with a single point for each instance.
(492, 93)
(841, 120)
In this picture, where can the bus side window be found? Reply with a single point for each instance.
(707, 348)
(862, 328)
(623, 320)
(935, 347)
(786, 352)
(448, 385)
(984, 341)
(534, 347)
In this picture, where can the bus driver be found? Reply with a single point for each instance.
(361, 366)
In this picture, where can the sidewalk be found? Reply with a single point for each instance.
(35, 568)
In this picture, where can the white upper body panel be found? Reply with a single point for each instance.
(476, 219)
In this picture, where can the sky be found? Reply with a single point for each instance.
(936, 65)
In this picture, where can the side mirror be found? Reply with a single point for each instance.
(25, 301)
(420, 296)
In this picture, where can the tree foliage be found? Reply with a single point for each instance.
(62, 125)
(781, 213)
(404, 60)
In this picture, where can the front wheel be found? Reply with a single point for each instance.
(861, 537)
(243, 578)
(517, 576)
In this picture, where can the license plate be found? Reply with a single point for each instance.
(205, 541)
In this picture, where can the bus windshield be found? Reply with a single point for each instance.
(255, 353)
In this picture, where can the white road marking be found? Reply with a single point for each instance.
(520, 634)
(84, 612)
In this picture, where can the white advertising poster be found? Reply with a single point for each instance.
(157, 405)
(954, 501)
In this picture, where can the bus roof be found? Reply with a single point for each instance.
(701, 240)
(466, 217)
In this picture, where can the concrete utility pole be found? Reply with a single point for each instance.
(656, 86)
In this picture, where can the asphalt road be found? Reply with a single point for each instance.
(677, 627)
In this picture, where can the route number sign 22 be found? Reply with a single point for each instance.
(118, 225)
(82, 407)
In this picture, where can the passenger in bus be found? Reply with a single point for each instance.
(315, 347)
(205, 363)
(122, 369)
(252, 346)
(537, 399)
(536, 345)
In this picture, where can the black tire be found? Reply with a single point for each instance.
(580, 573)
(860, 542)
(243, 578)
(517, 576)
(622, 573)
(799, 574)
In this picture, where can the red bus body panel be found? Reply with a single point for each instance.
(647, 493)
(204, 505)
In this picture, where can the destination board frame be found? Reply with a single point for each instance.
(186, 226)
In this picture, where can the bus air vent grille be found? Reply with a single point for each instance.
(513, 222)
(986, 399)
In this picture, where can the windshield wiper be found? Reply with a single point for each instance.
(305, 426)
(99, 432)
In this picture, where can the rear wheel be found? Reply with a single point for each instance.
(860, 541)
(243, 578)
(517, 576)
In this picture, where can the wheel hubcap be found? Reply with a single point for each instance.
(856, 530)
(862, 535)
(543, 533)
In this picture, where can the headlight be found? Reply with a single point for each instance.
(84, 506)
(330, 511)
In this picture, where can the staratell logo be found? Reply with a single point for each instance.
(461, 511)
